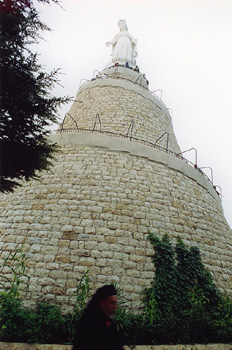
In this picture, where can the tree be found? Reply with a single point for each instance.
(27, 106)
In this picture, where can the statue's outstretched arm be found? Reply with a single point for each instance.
(108, 43)
(112, 42)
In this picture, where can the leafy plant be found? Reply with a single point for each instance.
(80, 295)
(183, 304)
(151, 312)
(51, 326)
(46, 324)
(15, 264)
(198, 302)
(222, 321)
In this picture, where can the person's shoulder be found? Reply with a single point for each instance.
(91, 317)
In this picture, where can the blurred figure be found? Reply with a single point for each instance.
(96, 329)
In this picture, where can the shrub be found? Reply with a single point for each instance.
(14, 267)
(44, 325)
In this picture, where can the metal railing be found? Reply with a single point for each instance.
(144, 142)
(117, 75)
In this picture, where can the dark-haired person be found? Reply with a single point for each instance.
(96, 329)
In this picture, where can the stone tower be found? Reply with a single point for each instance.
(119, 175)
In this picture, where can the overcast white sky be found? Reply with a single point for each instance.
(184, 48)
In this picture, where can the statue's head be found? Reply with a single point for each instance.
(122, 24)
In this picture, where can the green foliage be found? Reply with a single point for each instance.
(165, 278)
(44, 325)
(183, 305)
(14, 319)
(17, 324)
(80, 295)
(198, 303)
(122, 316)
(151, 312)
(223, 323)
(13, 264)
(50, 324)
(27, 105)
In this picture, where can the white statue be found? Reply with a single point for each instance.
(124, 46)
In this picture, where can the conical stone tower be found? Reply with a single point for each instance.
(118, 176)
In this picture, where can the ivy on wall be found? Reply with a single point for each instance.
(187, 304)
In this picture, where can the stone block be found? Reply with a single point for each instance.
(64, 243)
(56, 274)
(62, 258)
(67, 228)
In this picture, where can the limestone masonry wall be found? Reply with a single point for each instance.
(95, 207)
(118, 103)
(94, 210)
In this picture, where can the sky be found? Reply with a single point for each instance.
(185, 50)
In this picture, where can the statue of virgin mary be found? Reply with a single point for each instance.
(124, 46)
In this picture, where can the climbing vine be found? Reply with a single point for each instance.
(188, 305)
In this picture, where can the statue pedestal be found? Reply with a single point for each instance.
(122, 63)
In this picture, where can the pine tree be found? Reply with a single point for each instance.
(26, 103)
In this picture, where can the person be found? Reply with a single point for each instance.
(136, 69)
(124, 45)
(96, 329)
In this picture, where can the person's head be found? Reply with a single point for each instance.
(105, 299)
(122, 24)
(108, 305)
